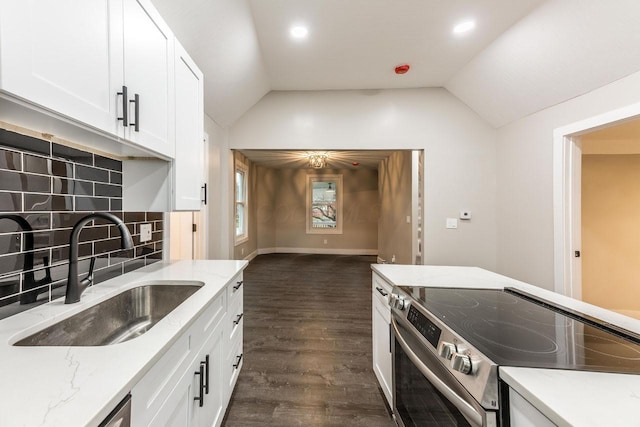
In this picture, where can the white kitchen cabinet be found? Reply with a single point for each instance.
(381, 330)
(168, 394)
(188, 165)
(523, 414)
(149, 77)
(234, 357)
(65, 56)
(74, 58)
(214, 400)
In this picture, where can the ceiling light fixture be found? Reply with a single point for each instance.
(299, 32)
(464, 27)
(317, 160)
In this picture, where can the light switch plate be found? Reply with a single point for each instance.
(452, 223)
(145, 232)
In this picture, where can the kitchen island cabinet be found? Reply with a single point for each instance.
(84, 384)
(381, 336)
(542, 396)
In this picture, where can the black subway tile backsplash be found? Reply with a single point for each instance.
(116, 178)
(106, 163)
(92, 174)
(108, 190)
(10, 160)
(53, 187)
(47, 202)
(24, 143)
(116, 204)
(92, 204)
(72, 154)
(36, 164)
(17, 181)
(10, 243)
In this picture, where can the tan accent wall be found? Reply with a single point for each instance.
(281, 213)
(394, 233)
(611, 232)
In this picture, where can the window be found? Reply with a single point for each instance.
(324, 204)
(241, 211)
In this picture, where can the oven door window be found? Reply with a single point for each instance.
(418, 403)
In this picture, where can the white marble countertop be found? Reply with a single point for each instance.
(61, 386)
(569, 398)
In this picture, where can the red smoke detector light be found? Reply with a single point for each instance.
(402, 69)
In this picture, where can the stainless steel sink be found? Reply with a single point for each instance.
(118, 319)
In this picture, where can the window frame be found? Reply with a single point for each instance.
(339, 203)
(244, 237)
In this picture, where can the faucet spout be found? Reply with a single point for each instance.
(75, 288)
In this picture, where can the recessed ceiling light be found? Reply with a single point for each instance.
(464, 27)
(299, 32)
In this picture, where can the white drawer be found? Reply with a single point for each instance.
(235, 288)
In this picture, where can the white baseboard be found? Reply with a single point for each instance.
(251, 256)
(320, 251)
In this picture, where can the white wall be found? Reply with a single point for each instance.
(459, 152)
(525, 180)
(219, 189)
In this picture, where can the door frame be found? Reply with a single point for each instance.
(567, 168)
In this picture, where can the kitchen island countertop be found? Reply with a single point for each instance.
(56, 386)
(567, 398)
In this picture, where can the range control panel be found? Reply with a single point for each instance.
(428, 330)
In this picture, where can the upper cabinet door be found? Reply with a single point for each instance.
(188, 165)
(149, 75)
(65, 56)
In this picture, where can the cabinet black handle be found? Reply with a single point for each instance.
(136, 112)
(237, 364)
(236, 287)
(125, 111)
(204, 187)
(238, 318)
(200, 398)
(206, 369)
(382, 291)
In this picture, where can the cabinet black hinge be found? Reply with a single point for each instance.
(194, 228)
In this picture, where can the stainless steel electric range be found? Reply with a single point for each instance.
(449, 344)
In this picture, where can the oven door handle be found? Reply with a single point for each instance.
(464, 407)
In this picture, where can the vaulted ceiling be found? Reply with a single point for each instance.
(522, 57)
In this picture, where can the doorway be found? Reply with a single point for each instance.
(596, 228)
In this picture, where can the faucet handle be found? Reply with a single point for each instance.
(89, 279)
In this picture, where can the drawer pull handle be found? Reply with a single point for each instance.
(237, 364)
(136, 112)
(382, 291)
(238, 318)
(125, 111)
(200, 373)
(236, 287)
(206, 370)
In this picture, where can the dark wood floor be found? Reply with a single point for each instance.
(307, 344)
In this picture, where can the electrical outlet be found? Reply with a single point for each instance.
(325, 241)
(145, 232)
(242, 251)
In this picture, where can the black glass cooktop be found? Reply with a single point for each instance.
(514, 331)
